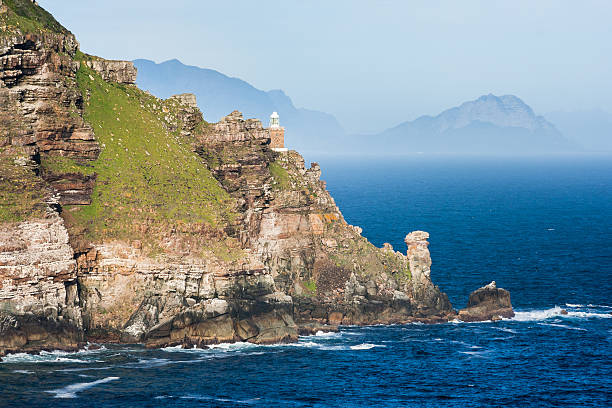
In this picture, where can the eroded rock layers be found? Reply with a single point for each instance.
(279, 260)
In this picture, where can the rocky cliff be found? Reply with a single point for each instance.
(128, 218)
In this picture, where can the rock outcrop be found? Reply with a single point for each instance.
(39, 299)
(122, 72)
(487, 303)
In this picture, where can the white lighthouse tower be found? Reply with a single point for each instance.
(277, 134)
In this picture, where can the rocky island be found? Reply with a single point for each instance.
(127, 218)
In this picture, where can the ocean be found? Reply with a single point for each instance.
(541, 227)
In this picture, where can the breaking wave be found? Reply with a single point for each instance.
(46, 357)
(71, 390)
(544, 314)
(366, 346)
(562, 325)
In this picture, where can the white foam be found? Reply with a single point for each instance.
(232, 346)
(331, 348)
(589, 315)
(505, 329)
(318, 346)
(172, 348)
(543, 314)
(601, 306)
(218, 399)
(149, 363)
(71, 390)
(43, 357)
(305, 344)
(562, 325)
(55, 356)
(480, 353)
(321, 333)
(366, 346)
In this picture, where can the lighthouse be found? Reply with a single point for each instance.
(277, 134)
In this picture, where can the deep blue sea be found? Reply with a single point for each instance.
(540, 227)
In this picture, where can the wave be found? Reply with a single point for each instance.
(232, 346)
(44, 357)
(328, 334)
(601, 306)
(207, 398)
(55, 356)
(562, 325)
(71, 390)
(366, 346)
(544, 314)
(338, 347)
(507, 330)
(590, 305)
(479, 353)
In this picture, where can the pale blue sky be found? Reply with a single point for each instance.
(371, 63)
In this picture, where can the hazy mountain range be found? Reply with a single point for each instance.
(218, 95)
(490, 124)
(589, 128)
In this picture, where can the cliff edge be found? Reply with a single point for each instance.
(128, 218)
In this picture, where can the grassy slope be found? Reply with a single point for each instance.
(27, 17)
(149, 181)
(281, 176)
(145, 175)
(22, 193)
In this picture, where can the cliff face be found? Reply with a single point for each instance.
(39, 115)
(289, 221)
(129, 218)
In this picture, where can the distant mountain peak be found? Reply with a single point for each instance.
(490, 123)
(173, 61)
(504, 110)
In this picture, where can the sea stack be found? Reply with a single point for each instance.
(487, 303)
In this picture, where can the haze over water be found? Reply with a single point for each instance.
(540, 227)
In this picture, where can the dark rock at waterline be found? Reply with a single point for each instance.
(30, 333)
(487, 303)
(312, 328)
(563, 312)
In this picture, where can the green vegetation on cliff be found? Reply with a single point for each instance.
(22, 193)
(28, 18)
(148, 178)
(63, 165)
(280, 175)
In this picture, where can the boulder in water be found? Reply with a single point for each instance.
(487, 303)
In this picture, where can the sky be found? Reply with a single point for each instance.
(373, 64)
